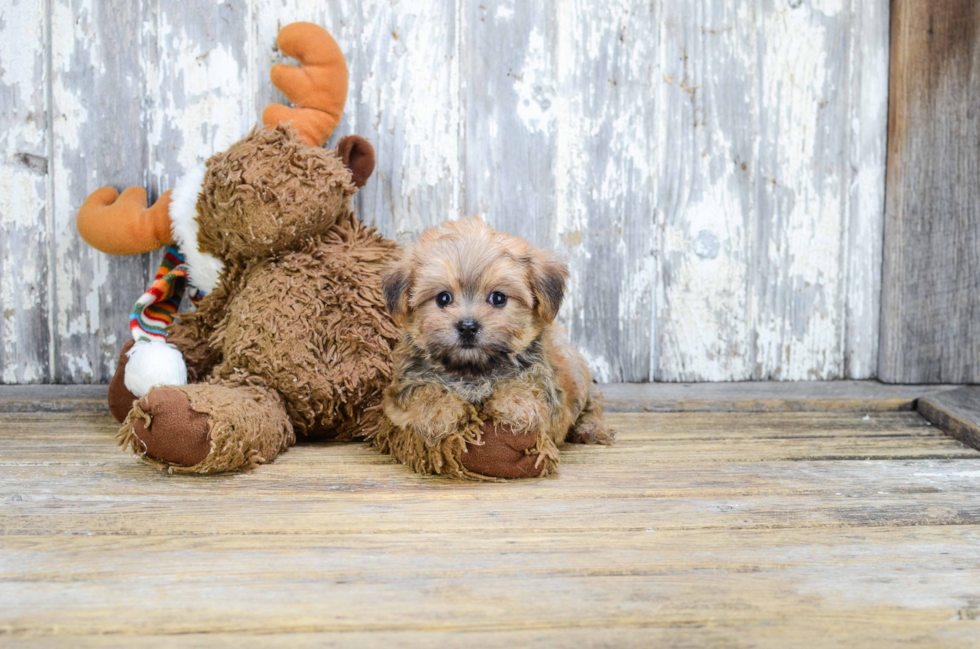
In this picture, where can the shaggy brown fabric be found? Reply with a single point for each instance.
(247, 426)
(191, 332)
(270, 192)
(503, 454)
(295, 335)
(120, 398)
(311, 325)
(170, 429)
(187, 336)
(307, 329)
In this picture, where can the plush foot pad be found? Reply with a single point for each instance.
(120, 398)
(503, 454)
(174, 432)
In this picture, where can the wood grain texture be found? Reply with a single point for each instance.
(864, 201)
(405, 92)
(608, 112)
(930, 329)
(507, 160)
(713, 172)
(195, 67)
(25, 183)
(766, 396)
(805, 182)
(769, 396)
(97, 127)
(719, 529)
(761, 189)
(884, 627)
(709, 134)
(956, 412)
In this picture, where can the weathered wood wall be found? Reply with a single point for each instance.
(714, 170)
(930, 329)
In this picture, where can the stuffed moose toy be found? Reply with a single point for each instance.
(290, 333)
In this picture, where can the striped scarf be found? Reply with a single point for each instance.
(158, 306)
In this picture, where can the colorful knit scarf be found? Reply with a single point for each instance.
(158, 306)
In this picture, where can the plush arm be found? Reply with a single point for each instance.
(193, 332)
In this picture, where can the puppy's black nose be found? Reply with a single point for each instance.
(468, 328)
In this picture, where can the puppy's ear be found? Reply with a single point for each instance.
(358, 156)
(395, 283)
(548, 277)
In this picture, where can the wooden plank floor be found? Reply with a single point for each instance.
(722, 529)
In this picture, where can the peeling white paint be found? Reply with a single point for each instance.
(714, 173)
(24, 175)
(704, 297)
(829, 8)
(409, 90)
(536, 95)
(73, 43)
(799, 339)
(197, 97)
(865, 205)
(504, 12)
(602, 370)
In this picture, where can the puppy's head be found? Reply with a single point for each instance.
(472, 297)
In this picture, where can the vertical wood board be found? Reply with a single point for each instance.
(509, 116)
(97, 103)
(406, 100)
(712, 171)
(24, 187)
(930, 306)
(608, 111)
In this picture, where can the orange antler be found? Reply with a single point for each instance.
(318, 87)
(122, 224)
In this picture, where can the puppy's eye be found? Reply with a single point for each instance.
(497, 299)
(444, 299)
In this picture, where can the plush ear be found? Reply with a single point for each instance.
(395, 283)
(358, 156)
(548, 277)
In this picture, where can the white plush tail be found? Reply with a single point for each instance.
(154, 363)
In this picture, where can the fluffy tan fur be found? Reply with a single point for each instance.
(480, 348)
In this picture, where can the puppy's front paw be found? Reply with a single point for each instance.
(438, 420)
(431, 412)
(519, 406)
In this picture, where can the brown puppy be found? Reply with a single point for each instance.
(485, 384)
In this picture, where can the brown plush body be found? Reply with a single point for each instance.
(485, 384)
(294, 338)
(308, 325)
